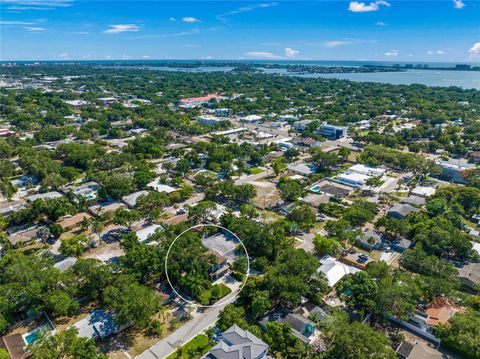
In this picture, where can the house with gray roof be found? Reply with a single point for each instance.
(400, 211)
(237, 343)
(369, 240)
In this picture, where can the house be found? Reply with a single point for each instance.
(100, 208)
(222, 244)
(22, 234)
(145, 233)
(400, 211)
(331, 188)
(369, 240)
(98, 325)
(401, 245)
(367, 170)
(332, 132)
(335, 270)
(131, 199)
(236, 343)
(219, 268)
(77, 104)
(15, 346)
(69, 222)
(302, 328)
(469, 275)
(423, 321)
(46, 195)
(159, 187)
(423, 191)
(303, 169)
(86, 190)
(316, 200)
(8, 207)
(352, 179)
(415, 201)
(107, 100)
(65, 264)
(418, 350)
(301, 125)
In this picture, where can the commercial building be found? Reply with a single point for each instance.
(454, 170)
(366, 170)
(332, 132)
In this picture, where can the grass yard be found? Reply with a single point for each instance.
(255, 170)
(195, 348)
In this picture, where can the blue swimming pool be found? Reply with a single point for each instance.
(32, 336)
(315, 189)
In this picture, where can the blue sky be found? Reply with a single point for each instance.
(397, 30)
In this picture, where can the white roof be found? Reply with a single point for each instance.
(161, 187)
(353, 177)
(47, 195)
(131, 199)
(423, 191)
(146, 232)
(251, 118)
(365, 170)
(335, 270)
(476, 247)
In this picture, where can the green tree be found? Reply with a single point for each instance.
(65, 344)
(131, 302)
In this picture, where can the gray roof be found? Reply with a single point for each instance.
(131, 199)
(470, 272)
(414, 200)
(402, 210)
(237, 343)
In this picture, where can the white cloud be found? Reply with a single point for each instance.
(356, 6)
(380, 23)
(31, 28)
(36, 4)
(172, 19)
(391, 53)
(438, 52)
(64, 56)
(190, 19)
(207, 57)
(116, 29)
(15, 23)
(262, 55)
(146, 57)
(475, 49)
(335, 43)
(458, 4)
(291, 52)
(249, 8)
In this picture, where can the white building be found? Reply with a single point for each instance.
(302, 125)
(366, 170)
(353, 179)
(251, 118)
(159, 187)
(145, 233)
(335, 270)
(423, 191)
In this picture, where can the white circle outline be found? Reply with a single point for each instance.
(238, 290)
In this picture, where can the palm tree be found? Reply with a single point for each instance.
(97, 226)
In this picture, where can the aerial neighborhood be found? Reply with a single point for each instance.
(179, 214)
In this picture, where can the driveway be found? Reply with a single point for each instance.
(199, 323)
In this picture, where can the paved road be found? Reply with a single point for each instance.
(263, 174)
(199, 323)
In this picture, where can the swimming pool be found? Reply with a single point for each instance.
(32, 336)
(315, 189)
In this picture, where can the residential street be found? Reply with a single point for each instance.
(188, 331)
